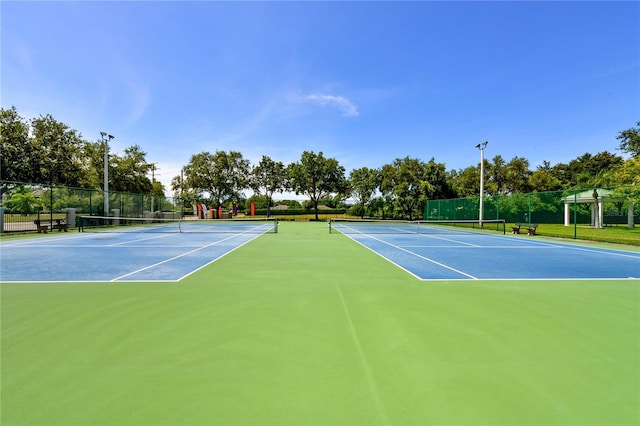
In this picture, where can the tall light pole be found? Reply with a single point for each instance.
(481, 147)
(105, 139)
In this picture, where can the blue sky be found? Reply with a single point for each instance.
(364, 82)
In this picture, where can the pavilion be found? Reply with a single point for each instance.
(596, 197)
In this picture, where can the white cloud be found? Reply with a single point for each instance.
(348, 108)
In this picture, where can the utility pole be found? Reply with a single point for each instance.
(481, 147)
(105, 139)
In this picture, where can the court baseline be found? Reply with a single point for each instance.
(474, 256)
(112, 257)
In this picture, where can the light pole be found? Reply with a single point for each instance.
(105, 139)
(481, 147)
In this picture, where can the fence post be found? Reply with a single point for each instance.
(575, 215)
(71, 217)
(2, 219)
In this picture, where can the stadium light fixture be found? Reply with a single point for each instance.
(105, 139)
(481, 147)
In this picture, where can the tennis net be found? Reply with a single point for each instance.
(129, 224)
(385, 226)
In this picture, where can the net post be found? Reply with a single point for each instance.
(329, 225)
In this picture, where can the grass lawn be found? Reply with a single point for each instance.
(304, 327)
(612, 234)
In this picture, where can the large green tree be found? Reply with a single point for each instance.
(317, 177)
(43, 150)
(581, 171)
(268, 177)
(496, 178)
(543, 179)
(222, 175)
(630, 140)
(409, 182)
(517, 176)
(363, 183)
(129, 172)
(466, 182)
(55, 158)
(14, 147)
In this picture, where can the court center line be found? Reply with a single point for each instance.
(422, 257)
(221, 256)
(170, 259)
(363, 360)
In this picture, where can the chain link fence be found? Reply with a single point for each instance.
(23, 205)
(596, 207)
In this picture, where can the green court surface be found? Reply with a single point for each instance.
(304, 327)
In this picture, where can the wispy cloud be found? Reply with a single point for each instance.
(348, 108)
(140, 99)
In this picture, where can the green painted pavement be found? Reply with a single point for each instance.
(308, 328)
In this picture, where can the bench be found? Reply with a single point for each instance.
(530, 227)
(43, 225)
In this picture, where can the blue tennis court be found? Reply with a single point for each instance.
(443, 254)
(428, 255)
(117, 256)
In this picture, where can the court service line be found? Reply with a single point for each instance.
(447, 239)
(422, 257)
(632, 255)
(171, 259)
(138, 240)
(483, 247)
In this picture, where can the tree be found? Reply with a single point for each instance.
(517, 176)
(128, 173)
(268, 176)
(465, 183)
(363, 183)
(629, 176)
(14, 146)
(544, 178)
(222, 175)
(583, 169)
(186, 196)
(317, 177)
(409, 182)
(56, 156)
(23, 201)
(628, 173)
(497, 182)
(630, 141)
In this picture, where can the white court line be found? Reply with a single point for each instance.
(198, 249)
(601, 251)
(222, 255)
(413, 254)
(38, 243)
(174, 258)
(447, 239)
(485, 247)
(139, 239)
(366, 367)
